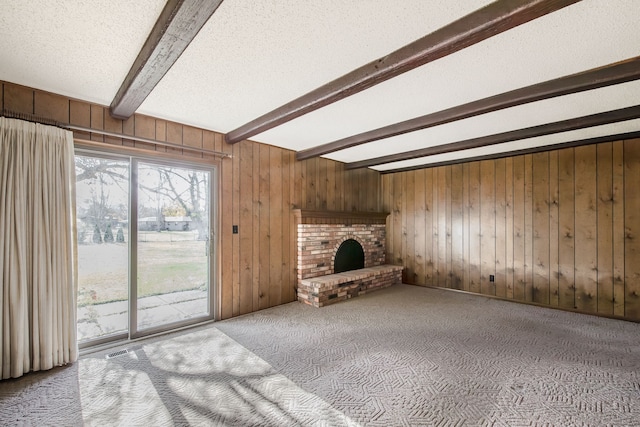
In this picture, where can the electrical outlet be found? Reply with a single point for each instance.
(492, 278)
(235, 229)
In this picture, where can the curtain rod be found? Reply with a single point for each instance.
(46, 121)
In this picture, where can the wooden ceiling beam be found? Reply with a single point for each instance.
(178, 24)
(532, 150)
(598, 119)
(616, 73)
(495, 18)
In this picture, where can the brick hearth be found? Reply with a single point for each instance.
(319, 235)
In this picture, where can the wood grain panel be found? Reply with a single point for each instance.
(465, 226)
(265, 223)
(442, 226)
(457, 262)
(632, 228)
(500, 228)
(618, 229)
(528, 228)
(428, 227)
(566, 229)
(474, 228)
(97, 122)
(18, 99)
(554, 231)
(56, 107)
(323, 176)
(419, 229)
(256, 208)
(397, 237)
(80, 115)
(409, 220)
(487, 227)
(508, 237)
(518, 229)
(144, 126)
(435, 220)
(226, 243)
(448, 230)
(541, 239)
(604, 222)
(245, 224)
(275, 225)
(235, 208)
(586, 253)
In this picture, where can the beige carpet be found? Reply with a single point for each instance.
(400, 356)
(199, 378)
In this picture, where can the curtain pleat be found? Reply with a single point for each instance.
(38, 250)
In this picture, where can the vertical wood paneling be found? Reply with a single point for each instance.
(632, 228)
(465, 226)
(487, 226)
(528, 228)
(566, 229)
(419, 229)
(448, 229)
(435, 220)
(226, 244)
(541, 241)
(255, 223)
(56, 107)
(409, 219)
(618, 228)
(245, 224)
(397, 238)
(500, 230)
(586, 254)
(474, 227)
(18, 99)
(235, 208)
(265, 223)
(591, 197)
(509, 267)
(80, 115)
(286, 287)
(442, 226)
(275, 225)
(428, 227)
(604, 243)
(554, 231)
(518, 229)
(457, 263)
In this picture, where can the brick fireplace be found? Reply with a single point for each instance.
(320, 234)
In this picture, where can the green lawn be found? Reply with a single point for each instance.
(167, 262)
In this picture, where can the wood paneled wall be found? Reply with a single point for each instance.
(559, 228)
(259, 187)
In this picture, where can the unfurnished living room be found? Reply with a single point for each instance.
(320, 213)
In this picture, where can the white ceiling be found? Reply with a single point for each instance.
(255, 55)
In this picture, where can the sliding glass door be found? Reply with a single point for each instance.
(144, 243)
(173, 244)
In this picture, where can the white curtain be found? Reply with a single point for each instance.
(38, 249)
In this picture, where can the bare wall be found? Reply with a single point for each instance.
(259, 187)
(559, 228)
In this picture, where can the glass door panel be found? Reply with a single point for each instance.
(172, 244)
(102, 212)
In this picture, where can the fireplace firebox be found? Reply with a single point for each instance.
(350, 256)
(341, 255)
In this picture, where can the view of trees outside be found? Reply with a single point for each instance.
(173, 233)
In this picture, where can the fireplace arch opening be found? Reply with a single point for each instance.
(350, 256)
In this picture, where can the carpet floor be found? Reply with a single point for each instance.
(401, 356)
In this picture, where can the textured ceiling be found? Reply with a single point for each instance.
(255, 55)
